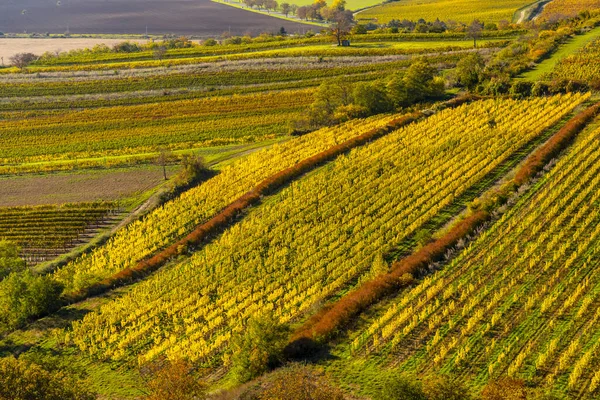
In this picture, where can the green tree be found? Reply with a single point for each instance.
(397, 91)
(285, 8)
(372, 96)
(469, 70)
(20, 380)
(259, 348)
(10, 261)
(24, 295)
(419, 81)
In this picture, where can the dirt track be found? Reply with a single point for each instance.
(182, 17)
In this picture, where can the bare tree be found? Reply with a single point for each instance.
(159, 52)
(342, 24)
(474, 31)
(164, 158)
(22, 60)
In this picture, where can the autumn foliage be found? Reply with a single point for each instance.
(204, 231)
(323, 325)
(555, 145)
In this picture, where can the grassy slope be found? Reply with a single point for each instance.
(572, 46)
(459, 10)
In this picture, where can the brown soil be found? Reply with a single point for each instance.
(182, 17)
(78, 187)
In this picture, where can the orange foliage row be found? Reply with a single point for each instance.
(327, 322)
(555, 145)
(209, 228)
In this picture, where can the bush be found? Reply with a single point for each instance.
(209, 42)
(9, 259)
(521, 89)
(20, 380)
(173, 380)
(372, 96)
(401, 388)
(299, 382)
(258, 349)
(540, 89)
(24, 295)
(444, 388)
(505, 389)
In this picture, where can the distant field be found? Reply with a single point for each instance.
(10, 47)
(350, 4)
(190, 17)
(457, 10)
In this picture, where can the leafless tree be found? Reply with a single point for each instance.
(474, 31)
(22, 60)
(164, 158)
(159, 52)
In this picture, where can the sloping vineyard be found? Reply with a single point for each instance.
(316, 236)
(521, 301)
(178, 217)
(51, 230)
(582, 66)
(569, 8)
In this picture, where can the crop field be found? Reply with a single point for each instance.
(350, 4)
(409, 212)
(562, 65)
(569, 7)
(180, 216)
(520, 301)
(181, 17)
(44, 232)
(464, 11)
(70, 118)
(261, 264)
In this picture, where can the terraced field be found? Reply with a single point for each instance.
(44, 232)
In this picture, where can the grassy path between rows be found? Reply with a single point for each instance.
(570, 47)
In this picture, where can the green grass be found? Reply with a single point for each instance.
(570, 47)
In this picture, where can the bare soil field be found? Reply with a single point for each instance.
(181, 17)
(10, 47)
(79, 186)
